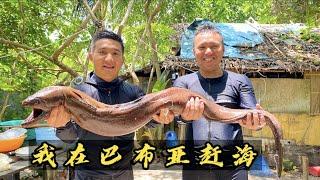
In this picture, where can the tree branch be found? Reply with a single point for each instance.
(54, 61)
(15, 44)
(150, 80)
(49, 69)
(153, 43)
(156, 10)
(4, 104)
(125, 18)
(146, 7)
(86, 66)
(139, 44)
(154, 53)
(93, 17)
(62, 82)
(77, 59)
(23, 59)
(135, 57)
(21, 28)
(71, 38)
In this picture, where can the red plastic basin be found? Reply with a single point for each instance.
(314, 170)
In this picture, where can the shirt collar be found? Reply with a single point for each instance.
(217, 79)
(94, 79)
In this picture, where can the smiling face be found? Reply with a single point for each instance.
(208, 50)
(107, 58)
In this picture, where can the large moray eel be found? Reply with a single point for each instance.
(120, 119)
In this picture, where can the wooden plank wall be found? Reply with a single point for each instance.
(295, 102)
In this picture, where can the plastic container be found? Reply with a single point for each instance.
(31, 135)
(171, 139)
(314, 170)
(7, 145)
(12, 139)
(48, 134)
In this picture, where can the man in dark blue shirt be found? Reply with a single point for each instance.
(106, 54)
(225, 88)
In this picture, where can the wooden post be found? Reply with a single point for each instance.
(181, 125)
(181, 132)
(305, 165)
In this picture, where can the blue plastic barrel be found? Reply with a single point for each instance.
(171, 139)
(47, 134)
(260, 167)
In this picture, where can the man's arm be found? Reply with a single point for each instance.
(194, 108)
(246, 94)
(68, 133)
(256, 120)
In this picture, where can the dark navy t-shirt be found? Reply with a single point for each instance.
(231, 90)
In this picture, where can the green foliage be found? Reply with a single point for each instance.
(14, 109)
(161, 83)
(218, 10)
(33, 24)
(161, 32)
(307, 35)
(288, 165)
(298, 11)
(153, 136)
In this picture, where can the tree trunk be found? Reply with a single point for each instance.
(4, 104)
(154, 54)
(153, 43)
(150, 80)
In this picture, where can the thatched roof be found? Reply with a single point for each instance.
(287, 52)
(242, 66)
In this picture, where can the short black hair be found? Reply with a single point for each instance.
(105, 34)
(208, 28)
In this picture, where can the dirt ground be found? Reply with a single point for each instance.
(140, 174)
(165, 174)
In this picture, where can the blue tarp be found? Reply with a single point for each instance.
(235, 35)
